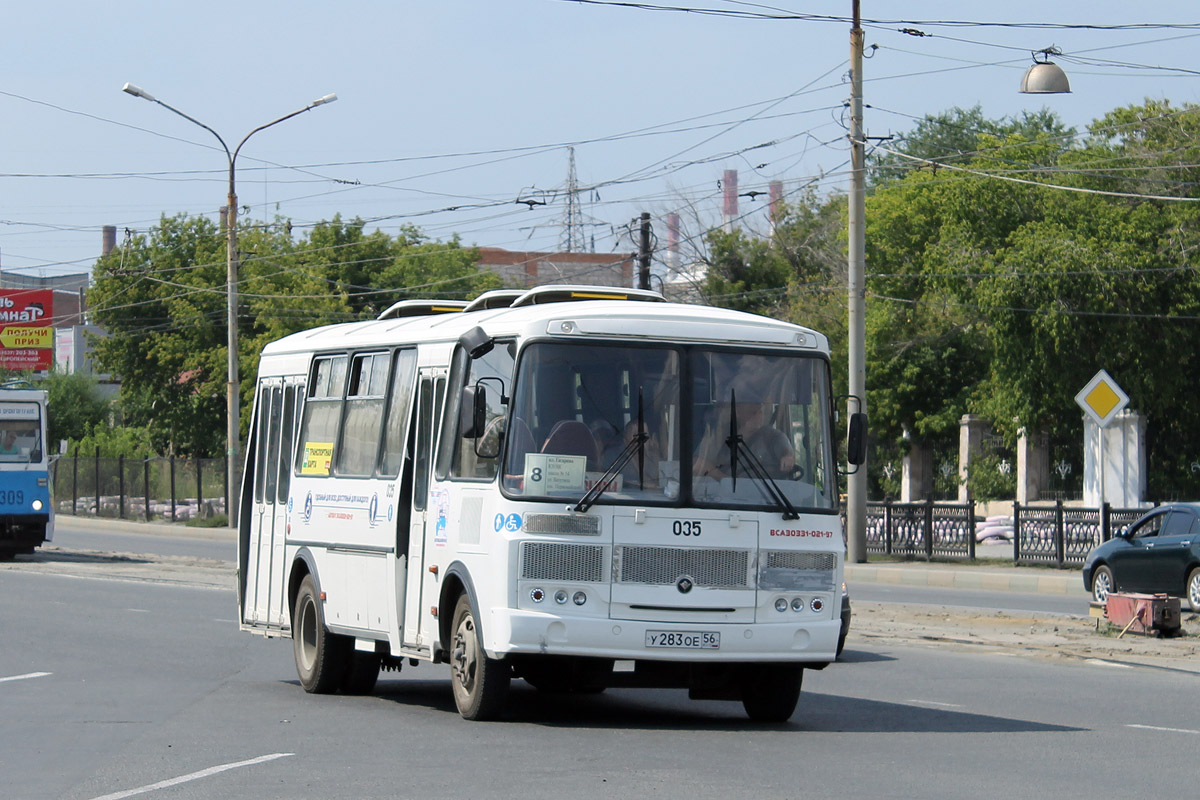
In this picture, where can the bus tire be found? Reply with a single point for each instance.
(770, 691)
(321, 657)
(480, 683)
(361, 673)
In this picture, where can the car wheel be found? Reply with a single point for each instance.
(1193, 590)
(1102, 584)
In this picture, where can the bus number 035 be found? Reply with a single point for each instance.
(686, 527)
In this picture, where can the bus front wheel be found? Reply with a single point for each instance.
(321, 656)
(480, 683)
(770, 691)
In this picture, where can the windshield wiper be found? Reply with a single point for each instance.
(636, 445)
(738, 451)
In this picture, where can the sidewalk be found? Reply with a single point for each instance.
(968, 576)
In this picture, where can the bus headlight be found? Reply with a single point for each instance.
(579, 598)
(781, 604)
(37, 505)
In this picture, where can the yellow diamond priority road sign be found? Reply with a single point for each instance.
(1102, 399)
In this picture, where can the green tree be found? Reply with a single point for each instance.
(76, 406)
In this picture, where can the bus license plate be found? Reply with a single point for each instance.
(687, 640)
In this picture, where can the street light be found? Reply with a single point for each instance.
(1044, 77)
(231, 277)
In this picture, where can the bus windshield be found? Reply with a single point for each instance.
(691, 426)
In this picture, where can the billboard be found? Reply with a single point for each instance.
(26, 333)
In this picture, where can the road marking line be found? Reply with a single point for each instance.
(26, 676)
(1100, 662)
(932, 703)
(204, 773)
(1165, 730)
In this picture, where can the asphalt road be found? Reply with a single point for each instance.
(114, 689)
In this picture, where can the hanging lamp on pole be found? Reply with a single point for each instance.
(1045, 77)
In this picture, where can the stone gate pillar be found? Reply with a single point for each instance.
(971, 430)
(1033, 466)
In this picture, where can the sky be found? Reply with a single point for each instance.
(459, 116)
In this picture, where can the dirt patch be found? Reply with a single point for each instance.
(1047, 636)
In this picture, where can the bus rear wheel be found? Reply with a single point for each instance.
(480, 683)
(770, 692)
(321, 657)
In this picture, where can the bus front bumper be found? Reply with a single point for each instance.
(512, 631)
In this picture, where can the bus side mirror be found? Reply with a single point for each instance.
(476, 342)
(472, 413)
(856, 439)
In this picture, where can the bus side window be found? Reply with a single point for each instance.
(391, 454)
(272, 460)
(478, 456)
(260, 462)
(322, 413)
(363, 417)
(424, 437)
(288, 437)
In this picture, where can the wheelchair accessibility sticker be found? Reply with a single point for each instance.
(511, 523)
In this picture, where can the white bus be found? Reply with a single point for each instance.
(580, 487)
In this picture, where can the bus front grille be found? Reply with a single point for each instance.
(664, 566)
(555, 561)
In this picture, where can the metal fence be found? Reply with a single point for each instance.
(1062, 535)
(1051, 535)
(924, 530)
(170, 489)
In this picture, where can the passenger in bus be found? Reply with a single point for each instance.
(770, 446)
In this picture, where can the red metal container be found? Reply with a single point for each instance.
(1143, 613)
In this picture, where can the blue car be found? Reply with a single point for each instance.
(1157, 554)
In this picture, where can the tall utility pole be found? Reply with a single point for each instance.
(856, 483)
(232, 382)
(644, 252)
(572, 236)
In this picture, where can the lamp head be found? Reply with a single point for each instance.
(137, 91)
(1045, 77)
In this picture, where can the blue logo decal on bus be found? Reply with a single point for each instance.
(372, 510)
(513, 523)
(391, 510)
(498, 523)
(308, 507)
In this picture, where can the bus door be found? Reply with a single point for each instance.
(427, 513)
(272, 471)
